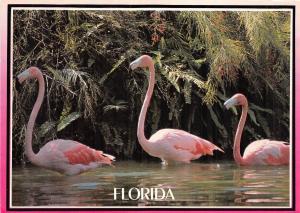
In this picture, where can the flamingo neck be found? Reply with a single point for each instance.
(141, 122)
(237, 140)
(28, 136)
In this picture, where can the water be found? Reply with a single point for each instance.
(195, 184)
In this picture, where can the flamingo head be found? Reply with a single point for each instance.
(143, 62)
(31, 72)
(237, 99)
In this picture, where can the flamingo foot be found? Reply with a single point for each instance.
(164, 162)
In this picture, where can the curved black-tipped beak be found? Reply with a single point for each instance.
(18, 85)
(133, 65)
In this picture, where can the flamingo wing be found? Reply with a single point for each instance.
(82, 154)
(267, 152)
(76, 153)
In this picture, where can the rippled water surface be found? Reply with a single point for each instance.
(195, 184)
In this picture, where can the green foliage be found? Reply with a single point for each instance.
(112, 136)
(266, 31)
(118, 105)
(252, 116)
(225, 54)
(64, 121)
(114, 68)
(201, 59)
(46, 127)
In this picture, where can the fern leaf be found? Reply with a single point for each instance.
(65, 121)
(252, 116)
(46, 127)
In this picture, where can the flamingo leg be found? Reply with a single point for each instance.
(164, 162)
(80, 168)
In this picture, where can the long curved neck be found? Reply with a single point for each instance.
(28, 136)
(237, 140)
(141, 123)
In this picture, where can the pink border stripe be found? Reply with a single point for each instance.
(3, 105)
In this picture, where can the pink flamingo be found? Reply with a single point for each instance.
(260, 152)
(168, 144)
(64, 156)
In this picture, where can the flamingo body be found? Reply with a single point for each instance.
(70, 157)
(179, 145)
(260, 152)
(64, 156)
(168, 144)
(267, 152)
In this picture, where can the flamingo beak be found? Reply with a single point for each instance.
(20, 78)
(133, 65)
(23, 76)
(230, 103)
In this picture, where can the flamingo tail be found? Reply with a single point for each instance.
(105, 158)
(112, 158)
(206, 148)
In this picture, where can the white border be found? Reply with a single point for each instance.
(161, 9)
